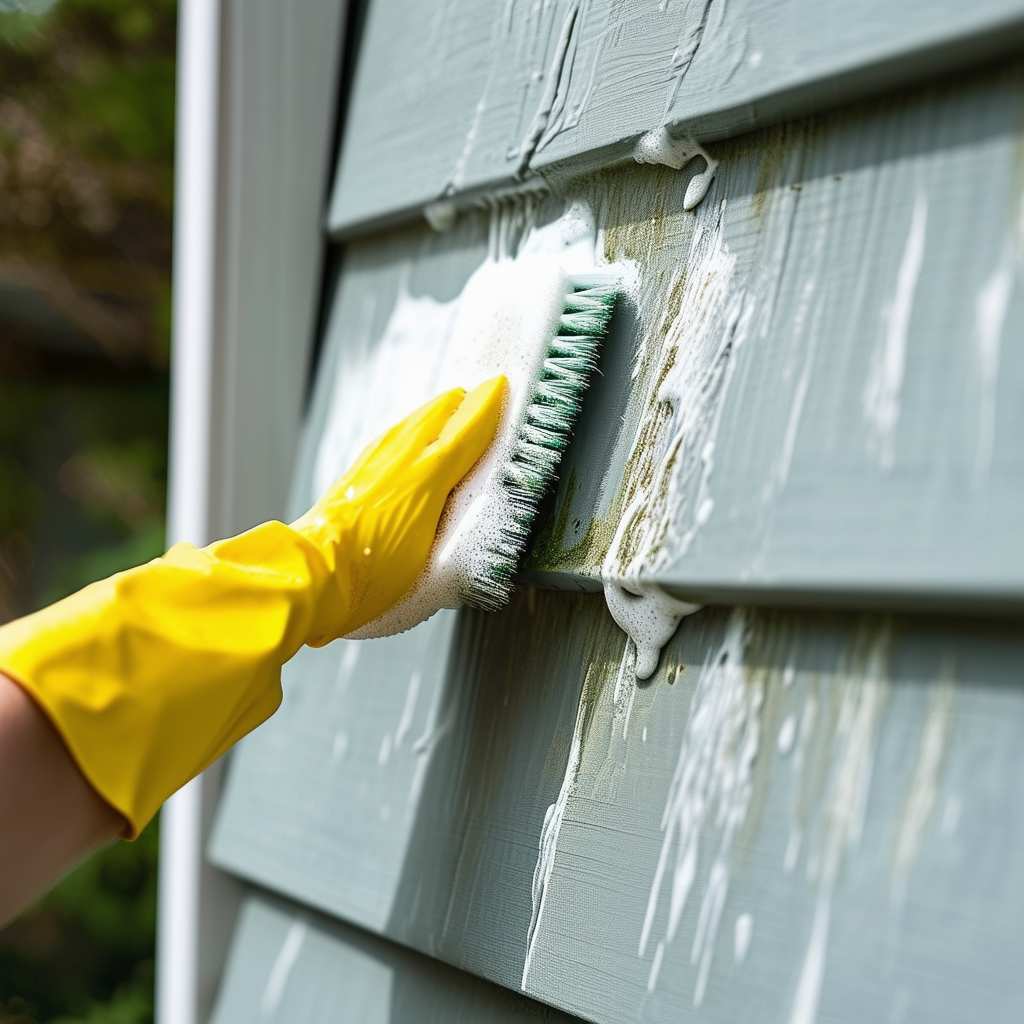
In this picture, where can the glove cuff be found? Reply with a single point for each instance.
(151, 675)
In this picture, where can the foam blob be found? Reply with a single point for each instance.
(649, 617)
(506, 317)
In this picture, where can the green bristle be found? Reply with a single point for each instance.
(546, 430)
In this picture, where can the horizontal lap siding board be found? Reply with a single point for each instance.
(809, 396)
(842, 318)
(842, 791)
(455, 98)
(289, 965)
(849, 405)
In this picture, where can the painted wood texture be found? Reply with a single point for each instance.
(811, 389)
(453, 98)
(809, 396)
(803, 816)
(288, 964)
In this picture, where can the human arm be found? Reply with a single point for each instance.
(151, 675)
(50, 816)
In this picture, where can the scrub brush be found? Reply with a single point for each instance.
(541, 327)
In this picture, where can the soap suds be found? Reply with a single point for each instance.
(659, 956)
(441, 215)
(808, 721)
(659, 147)
(501, 322)
(923, 794)
(666, 488)
(711, 788)
(648, 616)
(990, 314)
(554, 89)
(283, 966)
(624, 691)
(408, 708)
(806, 321)
(549, 837)
(863, 680)
(787, 734)
(991, 307)
(744, 932)
(346, 666)
(459, 174)
(884, 386)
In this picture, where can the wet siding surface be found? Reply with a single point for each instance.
(809, 399)
(288, 964)
(814, 812)
(810, 389)
(452, 99)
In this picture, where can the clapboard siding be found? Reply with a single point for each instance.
(289, 965)
(842, 319)
(809, 397)
(451, 98)
(850, 782)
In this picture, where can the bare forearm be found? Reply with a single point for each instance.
(50, 817)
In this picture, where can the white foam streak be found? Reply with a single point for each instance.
(408, 708)
(884, 386)
(711, 788)
(502, 321)
(863, 683)
(282, 968)
(658, 147)
(549, 838)
(923, 794)
(808, 990)
(991, 307)
(668, 488)
(743, 932)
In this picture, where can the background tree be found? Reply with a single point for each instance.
(86, 159)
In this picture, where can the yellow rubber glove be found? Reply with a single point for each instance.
(150, 675)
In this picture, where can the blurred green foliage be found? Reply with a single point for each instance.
(85, 951)
(86, 165)
(82, 476)
(86, 162)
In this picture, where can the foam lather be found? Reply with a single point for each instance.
(541, 327)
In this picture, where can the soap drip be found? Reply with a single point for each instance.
(659, 147)
(648, 616)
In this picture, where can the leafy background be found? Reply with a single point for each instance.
(86, 157)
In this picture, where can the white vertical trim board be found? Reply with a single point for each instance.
(188, 512)
(257, 84)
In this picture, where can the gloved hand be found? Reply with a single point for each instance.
(150, 675)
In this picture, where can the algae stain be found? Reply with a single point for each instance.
(769, 173)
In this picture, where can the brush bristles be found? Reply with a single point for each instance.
(545, 433)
